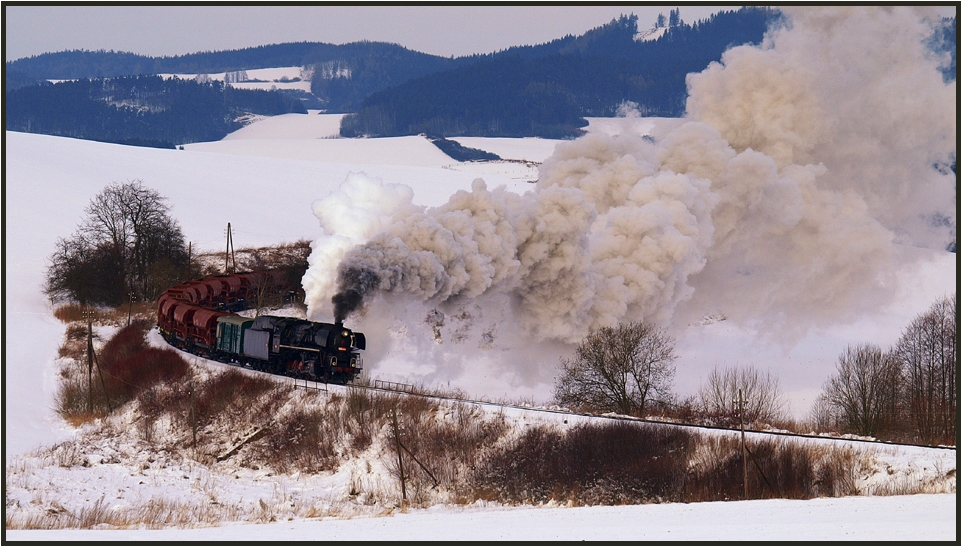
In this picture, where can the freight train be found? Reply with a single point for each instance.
(199, 317)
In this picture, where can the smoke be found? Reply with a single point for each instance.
(852, 89)
(360, 208)
(777, 202)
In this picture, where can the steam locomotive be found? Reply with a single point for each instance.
(197, 316)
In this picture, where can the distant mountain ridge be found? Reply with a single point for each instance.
(139, 110)
(543, 90)
(372, 66)
(548, 89)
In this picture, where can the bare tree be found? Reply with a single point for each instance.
(128, 232)
(864, 391)
(618, 369)
(761, 394)
(823, 416)
(928, 353)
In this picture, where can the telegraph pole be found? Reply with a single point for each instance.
(88, 315)
(741, 419)
(229, 253)
(397, 446)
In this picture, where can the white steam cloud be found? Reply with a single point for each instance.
(801, 162)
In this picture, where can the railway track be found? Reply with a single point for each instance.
(410, 391)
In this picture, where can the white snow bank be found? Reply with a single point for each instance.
(313, 125)
(896, 518)
(526, 149)
(268, 78)
(413, 151)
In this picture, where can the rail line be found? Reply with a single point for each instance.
(647, 420)
(411, 391)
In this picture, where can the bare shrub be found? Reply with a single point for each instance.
(595, 464)
(304, 440)
(761, 394)
(124, 367)
(230, 390)
(445, 443)
(836, 472)
(72, 400)
(618, 369)
(365, 412)
(775, 469)
(73, 312)
(66, 454)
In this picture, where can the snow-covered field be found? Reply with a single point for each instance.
(292, 77)
(928, 517)
(263, 180)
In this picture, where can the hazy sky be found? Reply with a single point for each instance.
(176, 30)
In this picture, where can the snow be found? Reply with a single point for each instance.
(896, 518)
(410, 151)
(270, 78)
(651, 34)
(313, 125)
(524, 149)
(263, 179)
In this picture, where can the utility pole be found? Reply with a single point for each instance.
(91, 358)
(397, 446)
(88, 315)
(229, 253)
(193, 417)
(741, 419)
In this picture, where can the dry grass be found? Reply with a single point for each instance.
(156, 513)
(74, 313)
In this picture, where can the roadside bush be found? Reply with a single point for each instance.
(125, 366)
(230, 391)
(615, 463)
(130, 366)
(776, 469)
(303, 440)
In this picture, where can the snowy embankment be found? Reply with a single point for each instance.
(110, 472)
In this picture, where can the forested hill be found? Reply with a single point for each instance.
(139, 110)
(77, 64)
(546, 90)
(357, 69)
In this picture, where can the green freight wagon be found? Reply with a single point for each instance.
(230, 333)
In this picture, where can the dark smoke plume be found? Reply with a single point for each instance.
(353, 284)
